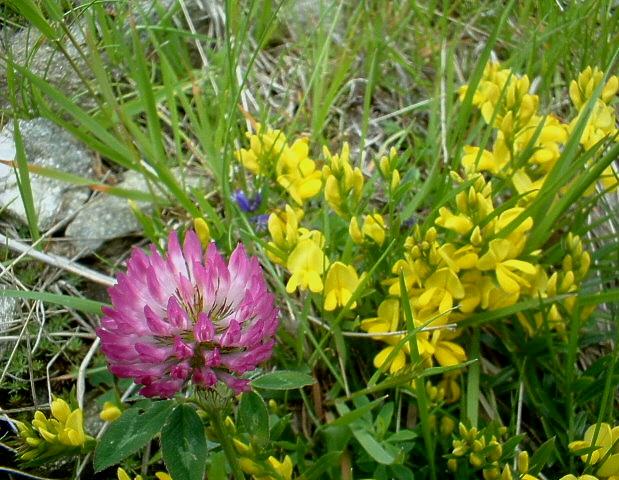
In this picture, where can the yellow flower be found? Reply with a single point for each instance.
(249, 466)
(459, 223)
(581, 90)
(451, 387)
(110, 412)
(447, 353)
(342, 181)
(284, 230)
(474, 161)
(440, 290)
(163, 476)
(600, 125)
(202, 230)
(574, 477)
(306, 263)
(500, 258)
(387, 320)
(388, 169)
(354, 231)
(65, 428)
(265, 149)
(374, 228)
(122, 475)
(607, 443)
(342, 281)
(297, 173)
(397, 362)
(283, 468)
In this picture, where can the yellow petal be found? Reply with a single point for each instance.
(60, 409)
(609, 467)
(506, 280)
(122, 475)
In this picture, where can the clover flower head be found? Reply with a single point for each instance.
(187, 316)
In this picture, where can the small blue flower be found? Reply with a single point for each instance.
(247, 204)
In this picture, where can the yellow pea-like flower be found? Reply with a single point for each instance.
(341, 282)
(306, 263)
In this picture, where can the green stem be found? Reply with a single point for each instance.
(226, 443)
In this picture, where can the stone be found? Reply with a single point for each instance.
(108, 217)
(48, 62)
(105, 218)
(8, 313)
(46, 145)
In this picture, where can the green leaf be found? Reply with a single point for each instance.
(217, 468)
(254, 417)
(541, 456)
(371, 445)
(356, 414)
(283, 380)
(183, 444)
(33, 14)
(324, 463)
(132, 431)
(81, 304)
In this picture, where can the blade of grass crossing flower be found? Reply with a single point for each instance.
(419, 386)
(576, 190)
(472, 381)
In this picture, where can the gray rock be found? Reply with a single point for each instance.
(8, 311)
(46, 145)
(46, 61)
(105, 218)
(108, 217)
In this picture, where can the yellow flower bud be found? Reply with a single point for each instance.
(110, 412)
(60, 410)
(354, 231)
(476, 460)
(249, 466)
(447, 425)
(452, 465)
(523, 462)
(202, 230)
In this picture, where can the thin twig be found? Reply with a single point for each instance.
(81, 376)
(55, 261)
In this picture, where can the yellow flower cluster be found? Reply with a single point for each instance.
(506, 104)
(301, 251)
(343, 182)
(483, 451)
(473, 258)
(271, 156)
(62, 433)
(601, 450)
(269, 469)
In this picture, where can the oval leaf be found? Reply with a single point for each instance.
(283, 380)
(132, 431)
(254, 417)
(183, 444)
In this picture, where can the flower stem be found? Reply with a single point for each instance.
(226, 443)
